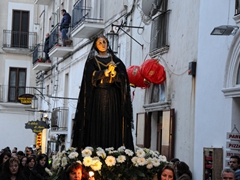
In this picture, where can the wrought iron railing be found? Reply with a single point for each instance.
(59, 119)
(37, 53)
(54, 36)
(11, 94)
(18, 39)
(81, 12)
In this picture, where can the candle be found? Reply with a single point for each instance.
(91, 173)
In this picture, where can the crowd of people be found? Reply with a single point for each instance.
(34, 165)
(19, 165)
(31, 164)
(178, 170)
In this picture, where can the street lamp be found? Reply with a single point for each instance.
(113, 37)
(225, 30)
(113, 40)
(34, 103)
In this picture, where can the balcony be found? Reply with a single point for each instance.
(9, 95)
(19, 42)
(86, 21)
(42, 2)
(56, 50)
(38, 62)
(59, 120)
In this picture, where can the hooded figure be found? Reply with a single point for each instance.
(104, 110)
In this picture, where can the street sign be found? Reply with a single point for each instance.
(233, 145)
(36, 126)
(25, 99)
(233, 136)
(232, 153)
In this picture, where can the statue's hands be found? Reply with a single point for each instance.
(106, 72)
(113, 73)
(111, 70)
(112, 66)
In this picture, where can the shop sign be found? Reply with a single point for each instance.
(232, 153)
(36, 126)
(233, 145)
(233, 136)
(25, 99)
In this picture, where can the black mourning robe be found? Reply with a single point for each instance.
(104, 110)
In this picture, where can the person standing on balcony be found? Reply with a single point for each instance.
(64, 26)
(104, 116)
(46, 47)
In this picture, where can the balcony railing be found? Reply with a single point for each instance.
(18, 41)
(42, 2)
(39, 61)
(37, 52)
(5, 95)
(54, 37)
(83, 14)
(59, 119)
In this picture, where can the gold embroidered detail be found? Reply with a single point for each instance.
(105, 65)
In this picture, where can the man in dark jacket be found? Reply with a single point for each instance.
(65, 23)
(235, 165)
(46, 47)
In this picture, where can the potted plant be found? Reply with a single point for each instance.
(41, 59)
(48, 61)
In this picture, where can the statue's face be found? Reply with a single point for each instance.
(101, 44)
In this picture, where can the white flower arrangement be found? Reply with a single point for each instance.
(113, 164)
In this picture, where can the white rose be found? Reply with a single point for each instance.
(73, 155)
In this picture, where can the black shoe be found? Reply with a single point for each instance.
(68, 42)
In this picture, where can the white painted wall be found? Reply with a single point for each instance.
(13, 132)
(213, 118)
(203, 115)
(13, 116)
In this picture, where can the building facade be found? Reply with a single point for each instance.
(187, 116)
(18, 39)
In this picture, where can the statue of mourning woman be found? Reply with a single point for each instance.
(104, 116)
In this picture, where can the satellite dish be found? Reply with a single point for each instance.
(151, 7)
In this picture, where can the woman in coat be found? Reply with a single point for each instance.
(11, 170)
(183, 171)
(38, 172)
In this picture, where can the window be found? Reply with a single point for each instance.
(165, 133)
(156, 130)
(17, 83)
(20, 29)
(237, 7)
(159, 29)
(155, 94)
